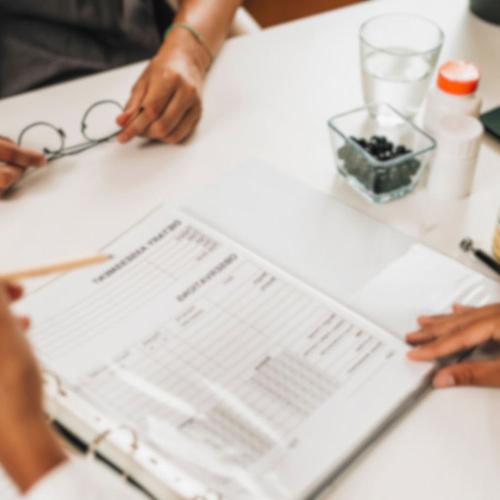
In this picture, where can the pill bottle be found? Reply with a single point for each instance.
(454, 165)
(455, 93)
(496, 239)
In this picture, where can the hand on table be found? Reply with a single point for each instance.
(14, 160)
(28, 449)
(464, 328)
(165, 104)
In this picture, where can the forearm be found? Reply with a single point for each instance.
(211, 18)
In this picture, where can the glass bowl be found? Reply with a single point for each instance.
(379, 152)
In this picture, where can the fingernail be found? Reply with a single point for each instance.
(16, 290)
(423, 320)
(445, 381)
(25, 322)
(122, 119)
(6, 180)
(414, 352)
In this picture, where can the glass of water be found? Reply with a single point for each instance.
(399, 53)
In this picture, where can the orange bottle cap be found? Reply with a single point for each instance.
(458, 77)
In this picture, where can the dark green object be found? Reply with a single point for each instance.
(377, 179)
(489, 10)
(491, 122)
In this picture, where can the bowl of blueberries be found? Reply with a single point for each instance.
(379, 152)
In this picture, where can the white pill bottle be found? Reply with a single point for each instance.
(455, 93)
(454, 164)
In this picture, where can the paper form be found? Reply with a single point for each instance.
(186, 330)
(420, 282)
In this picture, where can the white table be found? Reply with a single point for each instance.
(269, 97)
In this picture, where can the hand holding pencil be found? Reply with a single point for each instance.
(29, 448)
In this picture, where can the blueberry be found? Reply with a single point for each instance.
(382, 179)
(402, 150)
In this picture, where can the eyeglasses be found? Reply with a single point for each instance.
(97, 126)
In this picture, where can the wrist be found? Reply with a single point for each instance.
(181, 40)
(29, 452)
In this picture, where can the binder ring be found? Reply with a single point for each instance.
(102, 436)
(94, 444)
(134, 445)
(59, 383)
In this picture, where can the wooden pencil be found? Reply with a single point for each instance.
(61, 267)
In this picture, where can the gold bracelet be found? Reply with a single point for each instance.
(199, 37)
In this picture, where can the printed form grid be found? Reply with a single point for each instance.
(227, 342)
(247, 340)
(118, 298)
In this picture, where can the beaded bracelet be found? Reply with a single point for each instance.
(199, 37)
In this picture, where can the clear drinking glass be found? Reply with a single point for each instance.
(399, 53)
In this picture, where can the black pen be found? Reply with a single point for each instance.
(467, 245)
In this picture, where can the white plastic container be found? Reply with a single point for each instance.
(454, 165)
(455, 93)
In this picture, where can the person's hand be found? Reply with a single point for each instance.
(14, 160)
(28, 449)
(165, 104)
(18, 367)
(465, 328)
